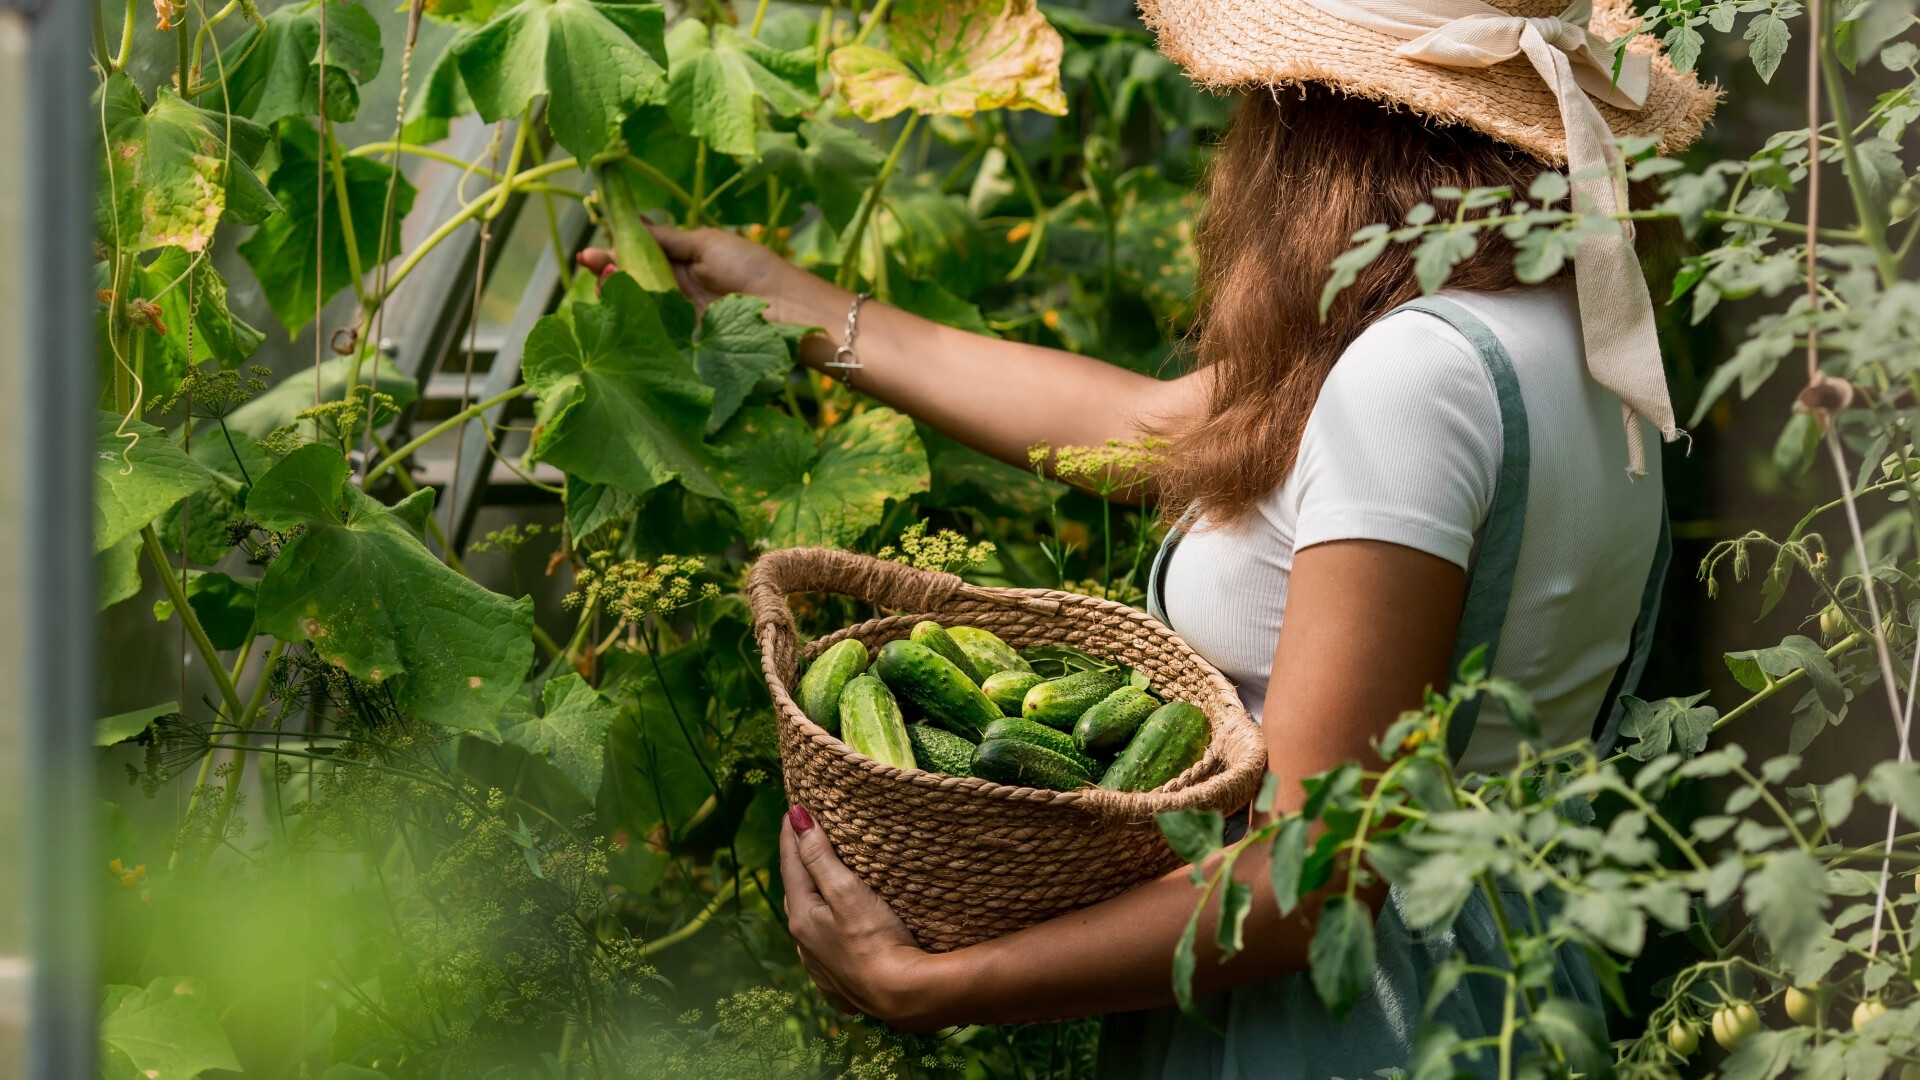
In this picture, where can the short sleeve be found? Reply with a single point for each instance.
(1403, 445)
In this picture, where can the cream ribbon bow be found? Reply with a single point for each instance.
(1623, 352)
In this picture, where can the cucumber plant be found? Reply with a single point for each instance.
(1794, 894)
(497, 838)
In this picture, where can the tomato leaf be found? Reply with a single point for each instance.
(281, 250)
(170, 174)
(734, 350)
(1192, 834)
(360, 586)
(138, 474)
(719, 77)
(571, 732)
(955, 58)
(1342, 954)
(618, 405)
(791, 492)
(167, 1031)
(596, 62)
(280, 75)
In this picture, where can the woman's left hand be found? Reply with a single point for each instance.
(858, 951)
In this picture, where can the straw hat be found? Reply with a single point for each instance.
(1231, 44)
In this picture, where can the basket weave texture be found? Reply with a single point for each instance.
(961, 859)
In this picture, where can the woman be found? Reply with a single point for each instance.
(1399, 485)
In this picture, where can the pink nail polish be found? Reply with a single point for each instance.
(802, 821)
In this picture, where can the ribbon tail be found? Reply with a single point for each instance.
(1616, 316)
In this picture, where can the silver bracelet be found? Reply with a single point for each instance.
(845, 361)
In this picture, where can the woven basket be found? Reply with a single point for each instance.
(960, 859)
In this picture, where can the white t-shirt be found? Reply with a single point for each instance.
(1403, 445)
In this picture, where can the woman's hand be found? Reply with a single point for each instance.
(711, 263)
(858, 951)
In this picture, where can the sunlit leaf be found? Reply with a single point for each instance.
(173, 172)
(1192, 834)
(719, 76)
(168, 1031)
(362, 589)
(619, 405)
(734, 350)
(596, 62)
(955, 58)
(794, 492)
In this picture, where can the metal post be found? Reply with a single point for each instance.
(47, 991)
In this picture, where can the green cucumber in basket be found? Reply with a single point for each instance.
(935, 637)
(1168, 744)
(940, 750)
(818, 694)
(1109, 725)
(1025, 764)
(1059, 702)
(989, 654)
(1008, 689)
(936, 687)
(870, 722)
(1041, 735)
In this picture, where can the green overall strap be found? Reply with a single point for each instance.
(1497, 553)
(1626, 678)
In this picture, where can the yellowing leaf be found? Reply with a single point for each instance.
(955, 58)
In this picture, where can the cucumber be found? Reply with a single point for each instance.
(1008, 689)
(930, 682)
(1059, 702)
(1171, 740)
(1041, 735)
(935, 637)
(989, 654)
(818, 694)
(1016, 761)
(939, 750)
(1106, 728)
(870, 722)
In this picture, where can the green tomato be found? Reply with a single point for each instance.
(1910, 1072)
(1865, 1012)
(1683, 1039)
(1803, 1006)
(1735, 1024)
(1832, 623)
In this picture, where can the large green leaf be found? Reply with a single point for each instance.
(280, 75)
(840, 166)
(360, 586)
(719, 76)
(138, 474)
(116, 573)
(297, 392)
(596, 62)
(735, 350)
(234, 455)
(218, 334)
(172, 172)
(168, 1031)
(619, 405)
(793, 493)
(1342, 954)
(572, 732)
(224, 604)
(955, 58)
(442, 98)
(281, 251)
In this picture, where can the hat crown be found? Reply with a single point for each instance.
(1530, 9)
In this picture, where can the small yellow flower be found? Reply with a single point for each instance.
(1020, 232)
(1052, 319)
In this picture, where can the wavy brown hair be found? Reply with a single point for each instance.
(1298, 173)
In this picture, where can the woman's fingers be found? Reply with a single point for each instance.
(803, 896)
(681, 245)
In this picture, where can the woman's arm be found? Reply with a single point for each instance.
(999, 397)
(1369, 627)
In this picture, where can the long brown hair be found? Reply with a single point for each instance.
(1299, 172)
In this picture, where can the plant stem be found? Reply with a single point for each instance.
(850, 250)
(1873, 225)
(157, 555)
(696, 208)
(521, 131)
(126, 36)
(232, 792)
(440, 429)
(640, 166)
(103, 53)
(874, 19)
(759, 16)
(372, 148)
(337, 166)
(466, 214)
(1032, 191)
(693, 926)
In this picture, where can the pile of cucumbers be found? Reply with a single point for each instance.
(1049, 717)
